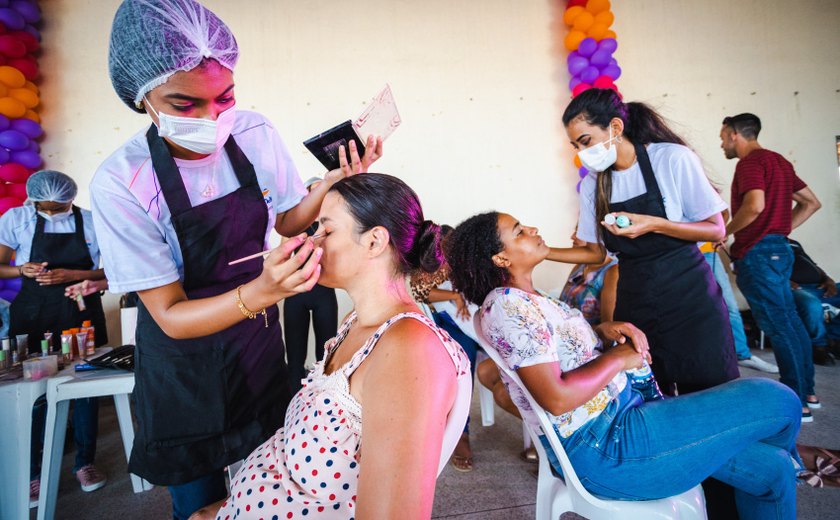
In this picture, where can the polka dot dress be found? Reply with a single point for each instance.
(310, 467)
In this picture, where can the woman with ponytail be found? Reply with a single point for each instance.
(642, 172)
(388, 359)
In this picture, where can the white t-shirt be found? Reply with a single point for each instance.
(527, 330)
(139, 245)
(17, 227)
(688, 195)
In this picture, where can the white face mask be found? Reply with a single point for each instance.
(203, 136)
(598, 157)
(56, 217)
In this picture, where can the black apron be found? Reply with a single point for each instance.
(206, 402)
(665, 288)
(45, 308)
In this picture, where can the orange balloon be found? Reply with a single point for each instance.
(605, 17)
(583, 21)
(4, 90)
(572, 13)
(597, 31)
(11, 107)
(573, 39)
(25, 96)
(578, 164)
(32, 116)
(12, 77)
(597, 6)
(610, 34)
(32, 86)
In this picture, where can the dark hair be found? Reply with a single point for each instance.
(642, 125)
(746, 124)
(376, 199)
(470, 257)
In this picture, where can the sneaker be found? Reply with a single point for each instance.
(806, 416)
(90, 478)
(813, 405)
(759, 364)
(34, 491)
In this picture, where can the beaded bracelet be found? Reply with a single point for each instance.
(248, 312)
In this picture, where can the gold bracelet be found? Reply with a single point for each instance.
(248, 312)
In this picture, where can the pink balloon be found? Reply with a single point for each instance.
(12, 172)
(29, 159)
(7, 203)
(17, 190)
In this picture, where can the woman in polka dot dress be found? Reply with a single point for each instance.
(387, 358)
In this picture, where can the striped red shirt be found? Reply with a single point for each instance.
(773, 174)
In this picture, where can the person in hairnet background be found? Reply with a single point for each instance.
(201, 186)
(54, 246)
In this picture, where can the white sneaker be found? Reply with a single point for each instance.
(757, 363)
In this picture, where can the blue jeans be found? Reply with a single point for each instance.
(192, 496)
(85, 428)
(470, 347)
(763, 275)
(809, 299)
(742, 432)
(742, 350)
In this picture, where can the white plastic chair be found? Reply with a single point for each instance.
(556, 496)
(456, 420)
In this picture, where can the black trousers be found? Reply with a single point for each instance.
(323, 305)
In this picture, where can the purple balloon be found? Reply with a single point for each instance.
(587, 75)
(577, 188)
(4, 156)
(613, 71)
(582, 172)
(608, 44)
(4, 123)
(613, 61)
(27, 127)
(26, 158)
(600, 59)
(12, 284)
(12, 19)
(9, 296)
(577, 64)
(13, 140)
(575, 81)
(34, 147)
(587, 47)
(4, 3)
(29, 11)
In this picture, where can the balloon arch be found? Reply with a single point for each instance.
(20, 124)
(591, 44)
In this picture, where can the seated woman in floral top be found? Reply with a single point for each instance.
(742, 432)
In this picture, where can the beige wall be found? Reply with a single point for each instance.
(481, 87)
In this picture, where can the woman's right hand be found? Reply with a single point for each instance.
(628, 354)
(33, 269)
(286, 272)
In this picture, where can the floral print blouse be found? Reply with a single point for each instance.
(528, 329)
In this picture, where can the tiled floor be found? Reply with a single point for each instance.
(501, 487)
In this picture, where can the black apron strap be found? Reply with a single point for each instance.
(245, 172)
(651, 186)
(168, 174)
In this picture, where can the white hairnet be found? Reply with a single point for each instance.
(153, 39)
(50, 186)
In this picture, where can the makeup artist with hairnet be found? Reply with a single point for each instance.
(201, 186)
(55, 246)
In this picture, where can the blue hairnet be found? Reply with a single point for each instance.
(50, 186)
(153, 39)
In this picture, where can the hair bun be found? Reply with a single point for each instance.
(426, 252)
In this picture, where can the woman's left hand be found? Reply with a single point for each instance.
(622, 332)
(639, 225)
(56, 276)
(355, 164)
